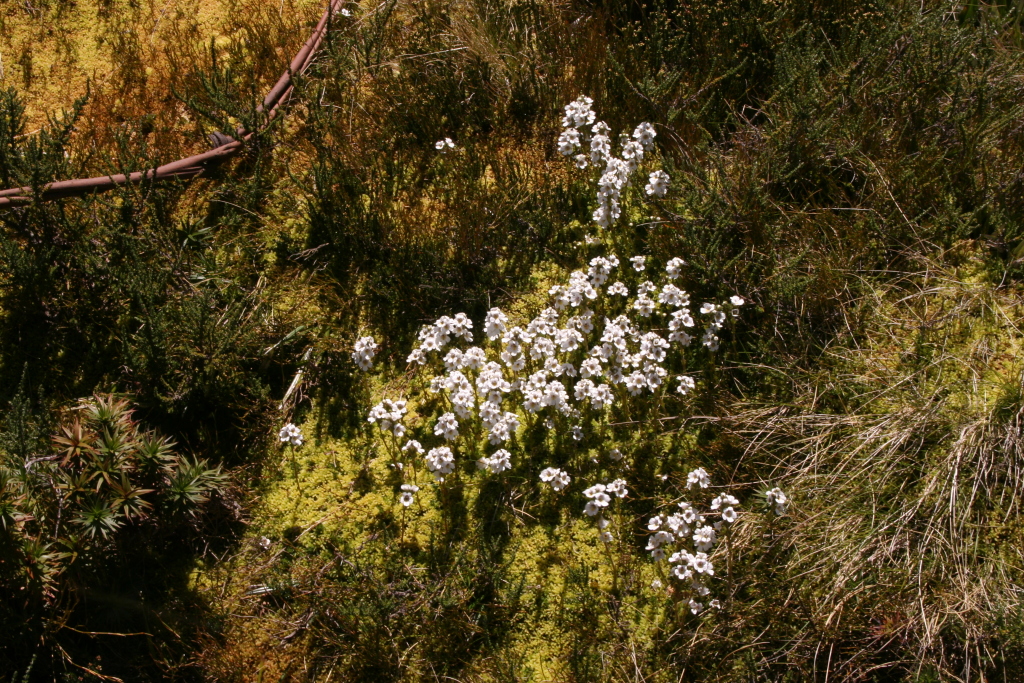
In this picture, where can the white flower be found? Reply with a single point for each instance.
(677, 524)
(444, 145)
(556, 477)
(636, 382)
(644, 306)
(698, 477)
(674, 267)
(686, 384)
(600, 269)
(653, 347)
(412, 446)
(715, 604)
(387, 415)
(728, 515)
(568, 141)
(707, 307)
(407, 491)
(453, 360)
(417, 356)
(345, 12)
(579, 113)
(689, 512)
(365, 348)
(605, 536)
(447, 426)
(615, 454)
(601, 396)
(290, 434)
(654, 523)
(583, 389)
(736, 300)
(638, 263)
(673, 296)
(710, 340)
(696, 607)
(777, 498)
(657, 185)
(680, 337)
(680, 319)
(702, 565)
(591, 367)
(619, 289)
(658, 539)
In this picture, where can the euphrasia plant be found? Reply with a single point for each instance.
(615, 338)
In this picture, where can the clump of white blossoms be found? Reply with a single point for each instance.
(444, 146)
(496, 463)
(567, 362)
(388, 416)
(440, 462)
(364, 351)
(657, 184)
(694, 536)
(558, 479)
(290, 434)
(698, 477)
(580, 130)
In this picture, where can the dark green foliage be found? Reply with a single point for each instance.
(122, 291)
(105, 495)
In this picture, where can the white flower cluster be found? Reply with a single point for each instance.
(440, 462)
(364, 351)
(444, 146)
(497, 463)
(561, 363)
(600, 495)
(688, 524)
(558, 479)
(778, 499)
(617, 170)
(388, 416)
(290, 434)
(657, 184)
(437, 336)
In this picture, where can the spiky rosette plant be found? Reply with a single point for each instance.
(105, 472)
